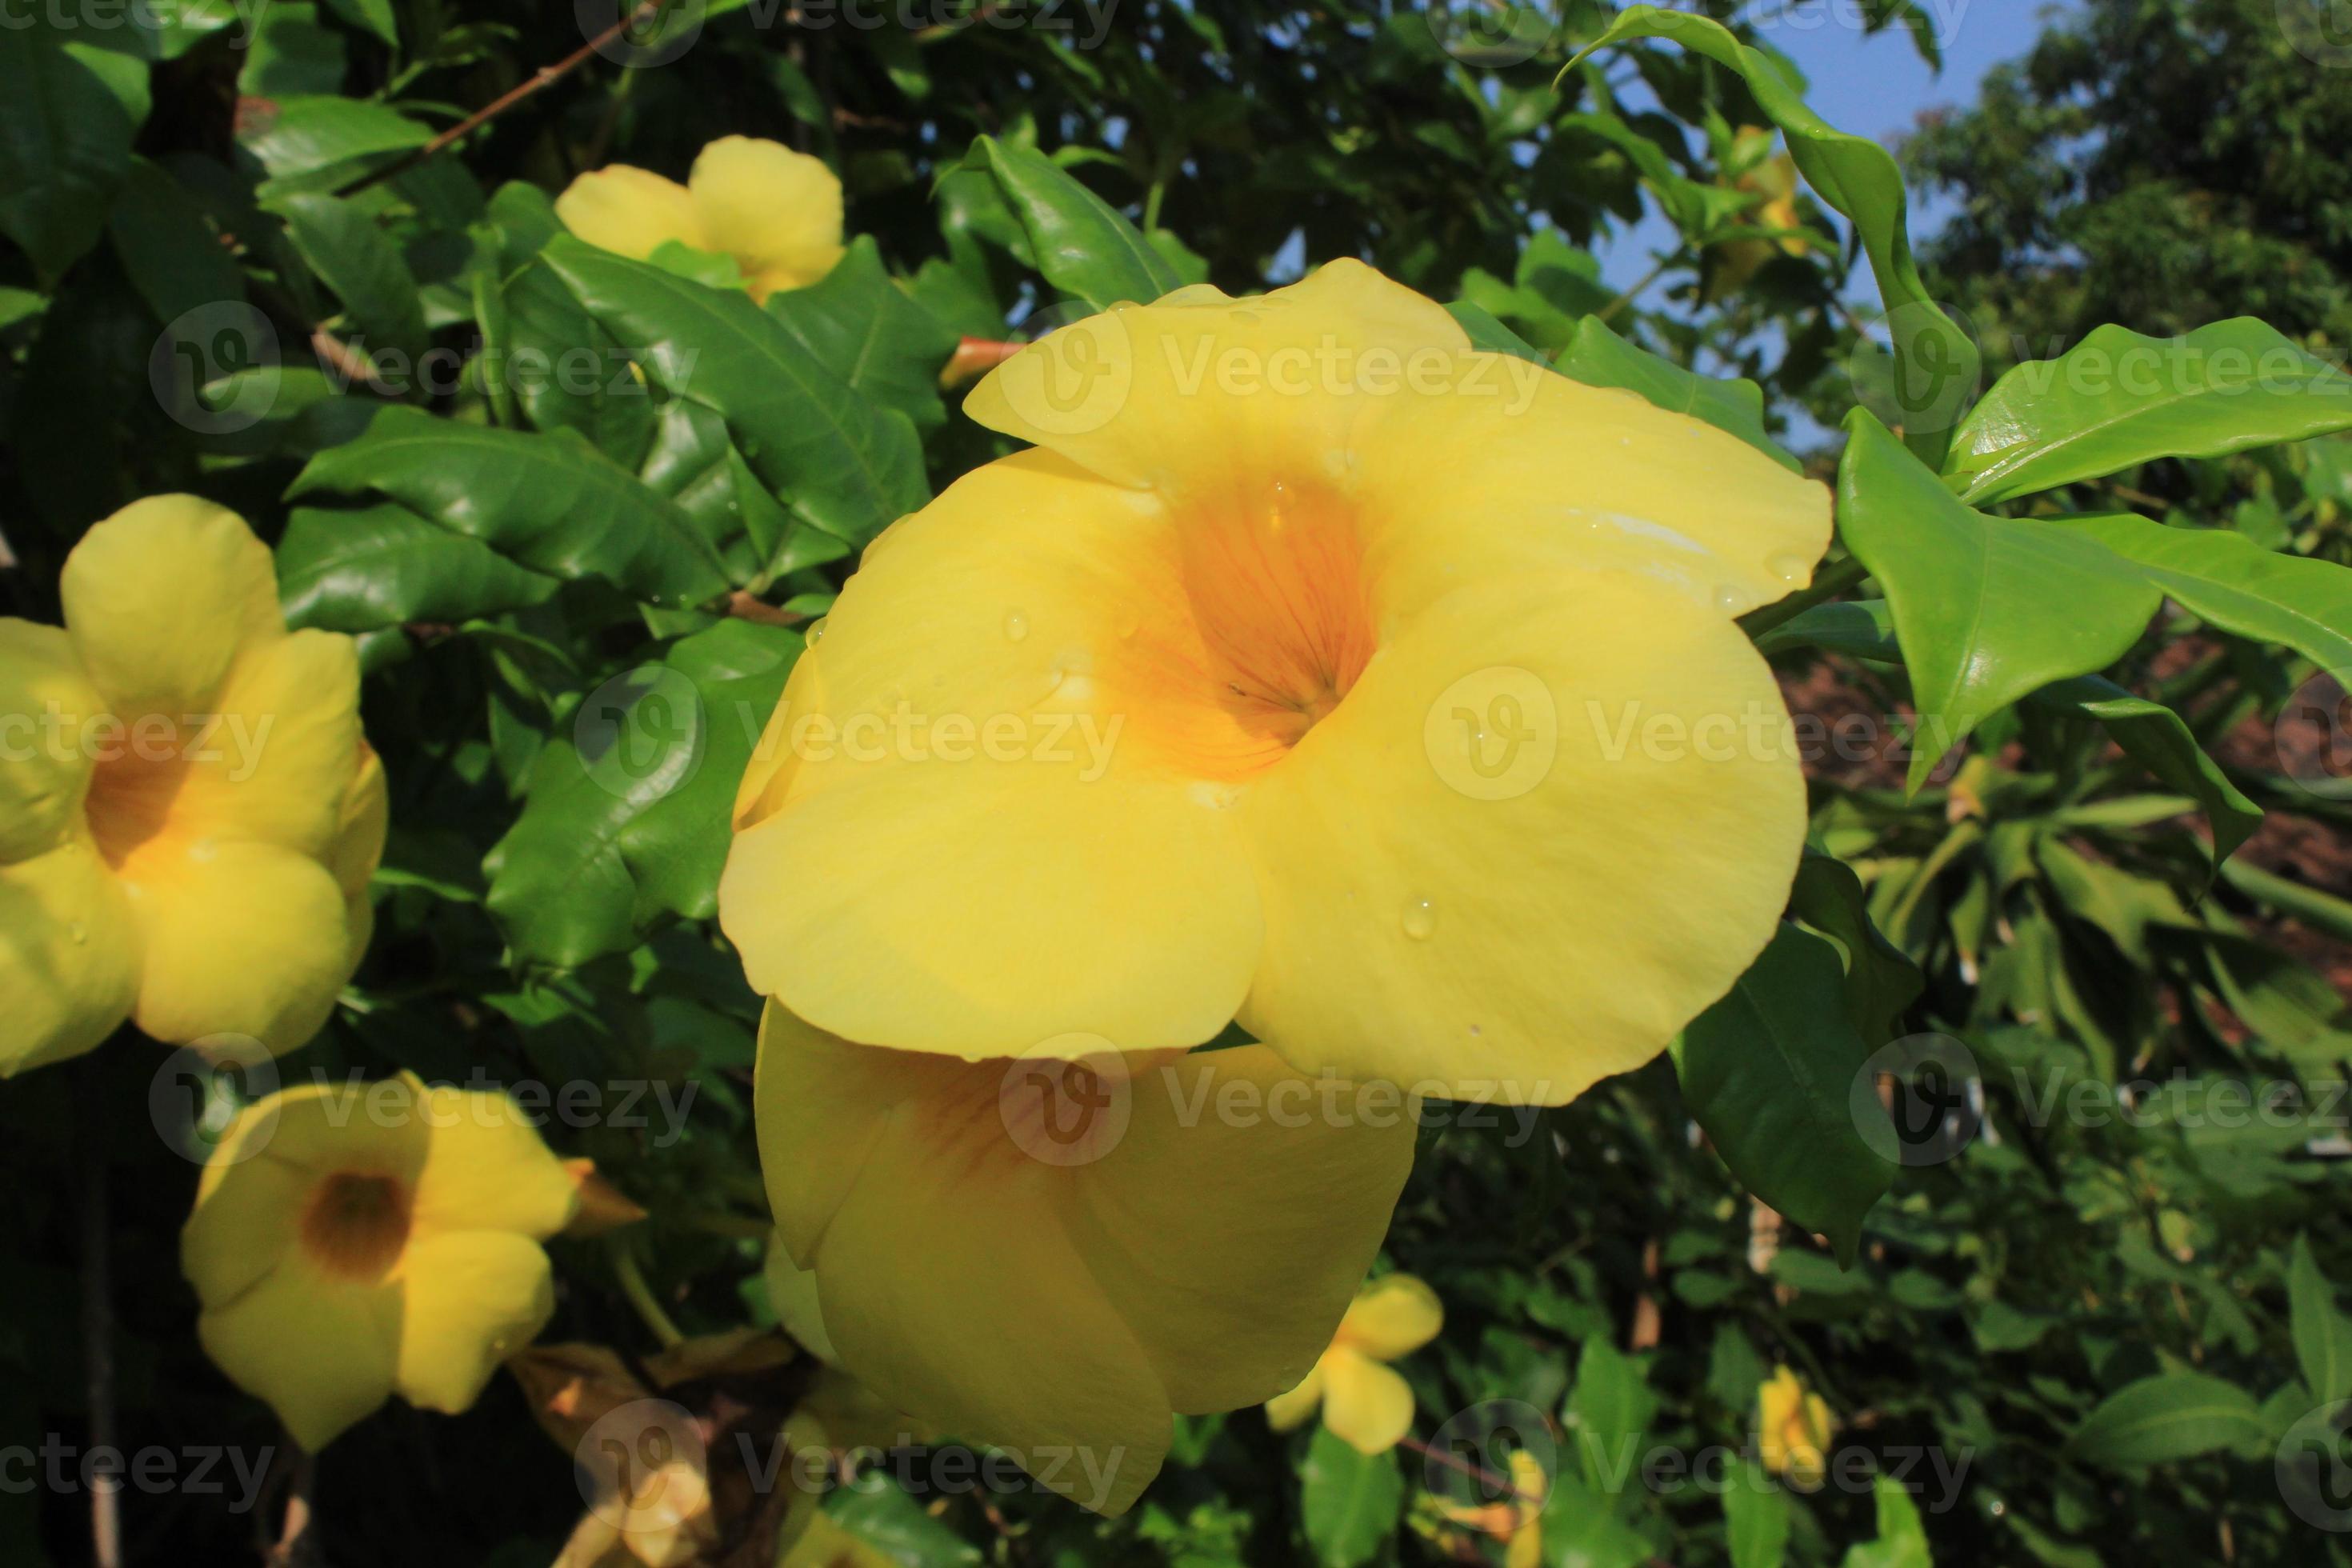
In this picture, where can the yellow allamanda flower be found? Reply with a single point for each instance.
(189, 813)
(350, 1241)
(775, 211)
(1314, 669)
(1793, 1429)
(1054, 1259)
(1518, 1520)
(1363, 1399)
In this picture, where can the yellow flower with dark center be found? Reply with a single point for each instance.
(1363, 1399)
(1046, 1256)
(1793, 1430)
(776, 212)
(189, 813)
(352, 1241)
(1316, 670)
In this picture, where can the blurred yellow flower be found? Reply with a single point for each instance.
(188, 812)
(1771, 176)
(1054, 1256)
(1315, 670)
(1793, 1429)
(350, 1241)
(1517, 1522)
(776, 212)
(1363, 1401)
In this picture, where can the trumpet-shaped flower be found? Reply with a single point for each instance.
(1363, 1400)
(1793, 1429)
(777, 213)
(352, 1241)
(189, 813)
(1054, 1254)
(1314, 668)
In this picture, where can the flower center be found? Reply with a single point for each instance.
(139, 769)
(356, 1223)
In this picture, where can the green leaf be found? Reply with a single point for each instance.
(1599, 357)
(2240, 587)
(1768, 1073)
(1609, 1409)
(1083, 245)
(300, 137)
(2117, 399)
(370, 17)
(551, 502)
(1902, 1540)
(1987, 609)
(2158, 740)
(894, 1527)
(1488, 335)
(860, 325)
(289, 53)
(351, 255)
(1347, 1500)
(2323, 1335)
(624, 819)
(1860, 179)
(65, 147)
(382, 565)
(169, 249)
(845, 465)
(1880, 981)
(1755, 1519)
(2171, 1415)
(1858, 628)
(1581, 1531)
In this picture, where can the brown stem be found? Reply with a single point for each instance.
(538, 81)
(296, 1546)
(746, 606)
(98, 1309)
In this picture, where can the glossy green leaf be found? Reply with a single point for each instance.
(1755, 1518)
(1347, 1500)
(2117, 399)
(552, 504)
(65, 146)
(1488, 335)
(2171, 1415)
(1599, 357)
(382, 565)
(1610, 1409)
(2240, 587)
(1768, 1073)
(894, 1527)
(845, 464)
(1987, 609)
(169, 249)
(2323, 1334)
(859, 324)
(1934, 359)
(2159, 739)
(1581, 1531)
(349, 252)
(1083, 245)
(1858, 628)
(297, 137)
(1880, 981)
(625, 820)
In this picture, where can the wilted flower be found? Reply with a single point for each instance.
(189, 814)
(1363, 1400)
(1046, 1256)
(1793, 1429)
(350, 1241)
(777, 213)
(1315, 670)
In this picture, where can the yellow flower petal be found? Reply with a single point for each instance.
(319, 1351)
(629, 212)
(791, 1295)
(276, 765)
(1524, 935)
(1293, 1406)
(955, 889)
(1365, 1405)
(1391, 1316)
(162, 597)
(487, 1168)
(69, 956)
(468, 1299)
(245, 939)
(776, 210)
(44, 767)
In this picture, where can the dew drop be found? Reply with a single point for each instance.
(1420, 918)
(1788, 566)
(1016, 626)
(816, 631)
(1733, 599)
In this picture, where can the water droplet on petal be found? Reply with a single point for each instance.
(1733, 599)
(816, 631)
(1420, 918)
(1789, 566)
(1016, 626)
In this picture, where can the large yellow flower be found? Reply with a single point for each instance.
(1363, 1401)
(775, 211)
(350, 1241)
(1315, 670)
(1045, 1256)
(188, 812)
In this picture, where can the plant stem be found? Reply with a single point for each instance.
(641, 1295)
(97, 1305)
(1834, 579)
